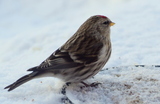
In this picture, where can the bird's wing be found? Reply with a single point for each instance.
(57, 60)
(72, 57)
(84, 49)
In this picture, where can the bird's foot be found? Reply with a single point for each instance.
(95, 84)
(63, 90)
(65, 99)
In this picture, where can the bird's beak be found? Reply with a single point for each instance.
(111, 24)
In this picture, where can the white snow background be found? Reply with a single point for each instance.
(30, 30)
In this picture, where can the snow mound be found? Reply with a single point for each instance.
(121, 85)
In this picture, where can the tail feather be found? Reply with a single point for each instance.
(21, 81)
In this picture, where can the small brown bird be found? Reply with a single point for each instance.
(80, 58)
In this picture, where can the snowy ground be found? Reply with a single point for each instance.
(31, 30)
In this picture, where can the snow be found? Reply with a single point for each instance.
(31, 30)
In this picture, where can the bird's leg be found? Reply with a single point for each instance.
(63, 90)
(95, 84)
(65, 99)
(85, 84)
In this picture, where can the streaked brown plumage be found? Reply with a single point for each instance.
(80, 58)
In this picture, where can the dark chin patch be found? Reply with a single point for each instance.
(102, 16)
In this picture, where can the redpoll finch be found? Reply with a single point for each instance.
(80, 58)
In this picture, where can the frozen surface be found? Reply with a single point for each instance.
(31, 30)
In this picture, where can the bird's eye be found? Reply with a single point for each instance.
(106, 22)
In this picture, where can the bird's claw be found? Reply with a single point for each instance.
(95, 84)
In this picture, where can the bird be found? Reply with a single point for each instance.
(80, 58)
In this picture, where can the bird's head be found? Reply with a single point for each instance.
(97, 24)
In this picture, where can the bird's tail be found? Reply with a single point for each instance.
(22, 80)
